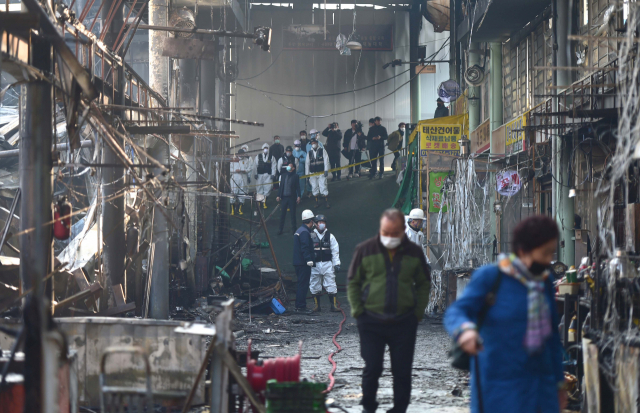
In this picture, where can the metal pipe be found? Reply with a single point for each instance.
(415, 24)
(59, 147)
(453, 42)
(113, 208)
(564, 204)
(474, 91)
(159, 81)
(222, 33)
(35, 242)
(187, 87)
(497, 114)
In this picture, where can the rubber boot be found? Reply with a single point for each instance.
(334, 304)
(317, 204)
(264, 205)
(240, 209)
(316, 302)
(326, 198)
(233, 209)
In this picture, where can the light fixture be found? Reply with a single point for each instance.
(572, 192)
(497, 207)
(464, 146)
(353, 45)
(262, 37)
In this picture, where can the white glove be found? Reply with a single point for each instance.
(310, 263)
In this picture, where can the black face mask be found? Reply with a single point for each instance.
(536, 268)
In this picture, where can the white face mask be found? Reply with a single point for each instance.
(314, 146)
(265, 150)
(321, 226)
(402, 129)
(390, 242)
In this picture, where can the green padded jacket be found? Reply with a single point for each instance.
(385, 289)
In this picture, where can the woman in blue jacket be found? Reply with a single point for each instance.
(518, 349)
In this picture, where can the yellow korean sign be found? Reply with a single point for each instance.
(441, 139)
(515, 141)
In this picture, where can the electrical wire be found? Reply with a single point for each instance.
(332, 380)
(268, 67)
(326, 94)
(432, 57)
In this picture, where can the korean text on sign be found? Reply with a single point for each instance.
(440, 138)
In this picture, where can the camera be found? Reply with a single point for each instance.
(334, 125)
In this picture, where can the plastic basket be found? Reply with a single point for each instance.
(304, 397)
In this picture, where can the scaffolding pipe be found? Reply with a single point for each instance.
(159, 81)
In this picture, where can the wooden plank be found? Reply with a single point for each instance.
(95, 288)
(110, 312)
(235, 371)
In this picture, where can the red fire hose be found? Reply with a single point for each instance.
(332, 379)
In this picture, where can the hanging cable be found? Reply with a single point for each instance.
(325, 94)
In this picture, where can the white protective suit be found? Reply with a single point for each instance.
(323, 274)
(318, 182)
(265, 183)
(240, 180)
(417, 237)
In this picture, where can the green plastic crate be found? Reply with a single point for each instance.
(304, 397)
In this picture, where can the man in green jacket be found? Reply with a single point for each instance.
(389, 283)
(394, 142)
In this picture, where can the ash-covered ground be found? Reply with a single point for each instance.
(436, 386)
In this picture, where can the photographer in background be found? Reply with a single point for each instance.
(334, 136)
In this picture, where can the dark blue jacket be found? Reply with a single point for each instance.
(511, 379)
(289, 185)
(302, 246)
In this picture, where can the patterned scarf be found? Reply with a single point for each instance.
(538, 313)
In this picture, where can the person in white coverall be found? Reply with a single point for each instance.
(318, 163)
(414, 230)
(241, 168)
(265, 173)
(326, 263)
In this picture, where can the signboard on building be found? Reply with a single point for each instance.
(311, 37)
(508, 183)
(460, 105)
(424, 69)
(515, 136)
(436, 181)
(441, 139)
(481, 138)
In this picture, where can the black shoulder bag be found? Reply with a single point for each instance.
(458, 358)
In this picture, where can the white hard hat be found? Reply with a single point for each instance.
(297, 142)
(313, 131)
(266, 145)
(245, 147)
(307, 214)
(416, 213)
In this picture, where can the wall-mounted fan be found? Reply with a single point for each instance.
(474, 75)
